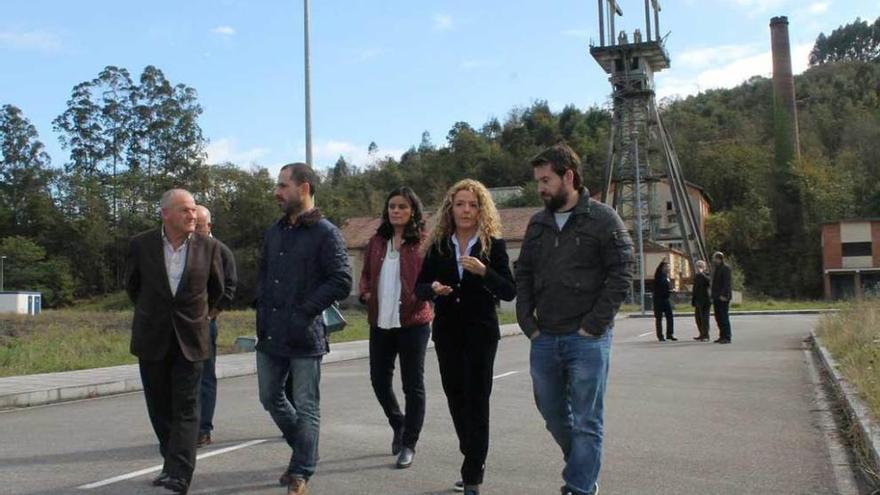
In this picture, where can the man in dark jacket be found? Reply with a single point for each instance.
(574, 271)
(303, 269)
(701, 300)
(174, 277)
(208, 389)
(721, 293)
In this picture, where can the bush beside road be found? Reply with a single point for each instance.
(853, 338)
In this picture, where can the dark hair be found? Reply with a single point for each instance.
(301, 174)
(659, 271)
(561, 158)
(413, 230)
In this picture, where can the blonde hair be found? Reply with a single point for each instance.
(488, 220)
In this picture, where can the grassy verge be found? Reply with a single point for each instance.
(65, 340)
(853, 338)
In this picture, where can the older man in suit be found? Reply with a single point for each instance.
(175, 279)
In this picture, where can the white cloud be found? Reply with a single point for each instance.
(325, 153)
(702, 57)
(224, 31)
(442, 22)
(225, 150)
(31, 40)
(818, 8)
(732, 74)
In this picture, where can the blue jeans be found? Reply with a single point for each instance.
(299, 421)
(208, 392)
(569, 377)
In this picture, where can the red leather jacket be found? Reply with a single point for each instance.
(413, 311)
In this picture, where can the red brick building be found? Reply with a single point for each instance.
(851, 258)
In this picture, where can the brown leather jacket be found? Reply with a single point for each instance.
(413, 311)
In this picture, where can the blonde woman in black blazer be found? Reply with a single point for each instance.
(465, 272)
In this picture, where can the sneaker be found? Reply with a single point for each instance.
(297, 486)
(672, 338)
(472, 490)
(570, 491)
(458, 486)
(724, 341)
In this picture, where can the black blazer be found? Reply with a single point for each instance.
(470, 309)
(701, 297)
(157, 312)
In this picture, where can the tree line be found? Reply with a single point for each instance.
(64, 229)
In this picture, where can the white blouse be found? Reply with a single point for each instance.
(389, 289)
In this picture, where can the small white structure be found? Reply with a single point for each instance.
(19, 302)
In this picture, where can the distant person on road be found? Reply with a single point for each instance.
(573, 272)
(208, 392)
(465, 272)
(701, 300)
(663, 302)
(303, 269)
(721, 294)
(399, 321)
(174, 277)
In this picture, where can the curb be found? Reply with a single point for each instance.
(128, 378)
(856, 409)
(780, 312)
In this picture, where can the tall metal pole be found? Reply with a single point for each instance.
(308, 85)
(2, 258)
(639, 228)
(647, 20)
(601, 23)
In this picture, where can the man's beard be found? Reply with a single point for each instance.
(290, 207)
(556, 201)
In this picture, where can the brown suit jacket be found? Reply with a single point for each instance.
(158, 314)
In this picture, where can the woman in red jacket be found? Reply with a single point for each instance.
(399, 321)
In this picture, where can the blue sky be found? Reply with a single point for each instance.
(382, 71)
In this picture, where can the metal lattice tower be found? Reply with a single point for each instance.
(641, 153)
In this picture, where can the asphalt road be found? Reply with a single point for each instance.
(681, 418)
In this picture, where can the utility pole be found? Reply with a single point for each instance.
(308, 84)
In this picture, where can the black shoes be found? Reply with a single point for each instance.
(672, 338)
(177, 485)
(458, 486)
(204, 440)
(722, 341)
(160, 480)
(661, 339)
(405, 459)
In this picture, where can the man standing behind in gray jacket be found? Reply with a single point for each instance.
(574, 271)
(303, 269)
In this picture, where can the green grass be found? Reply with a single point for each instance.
(73, 339)
(853, 338)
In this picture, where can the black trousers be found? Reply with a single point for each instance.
(664, 308)
(410, 343)
(722, 317)
(171, 389)
(701, 317)
(466, 368)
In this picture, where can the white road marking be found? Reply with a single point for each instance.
(154, 469)
(502, 375)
